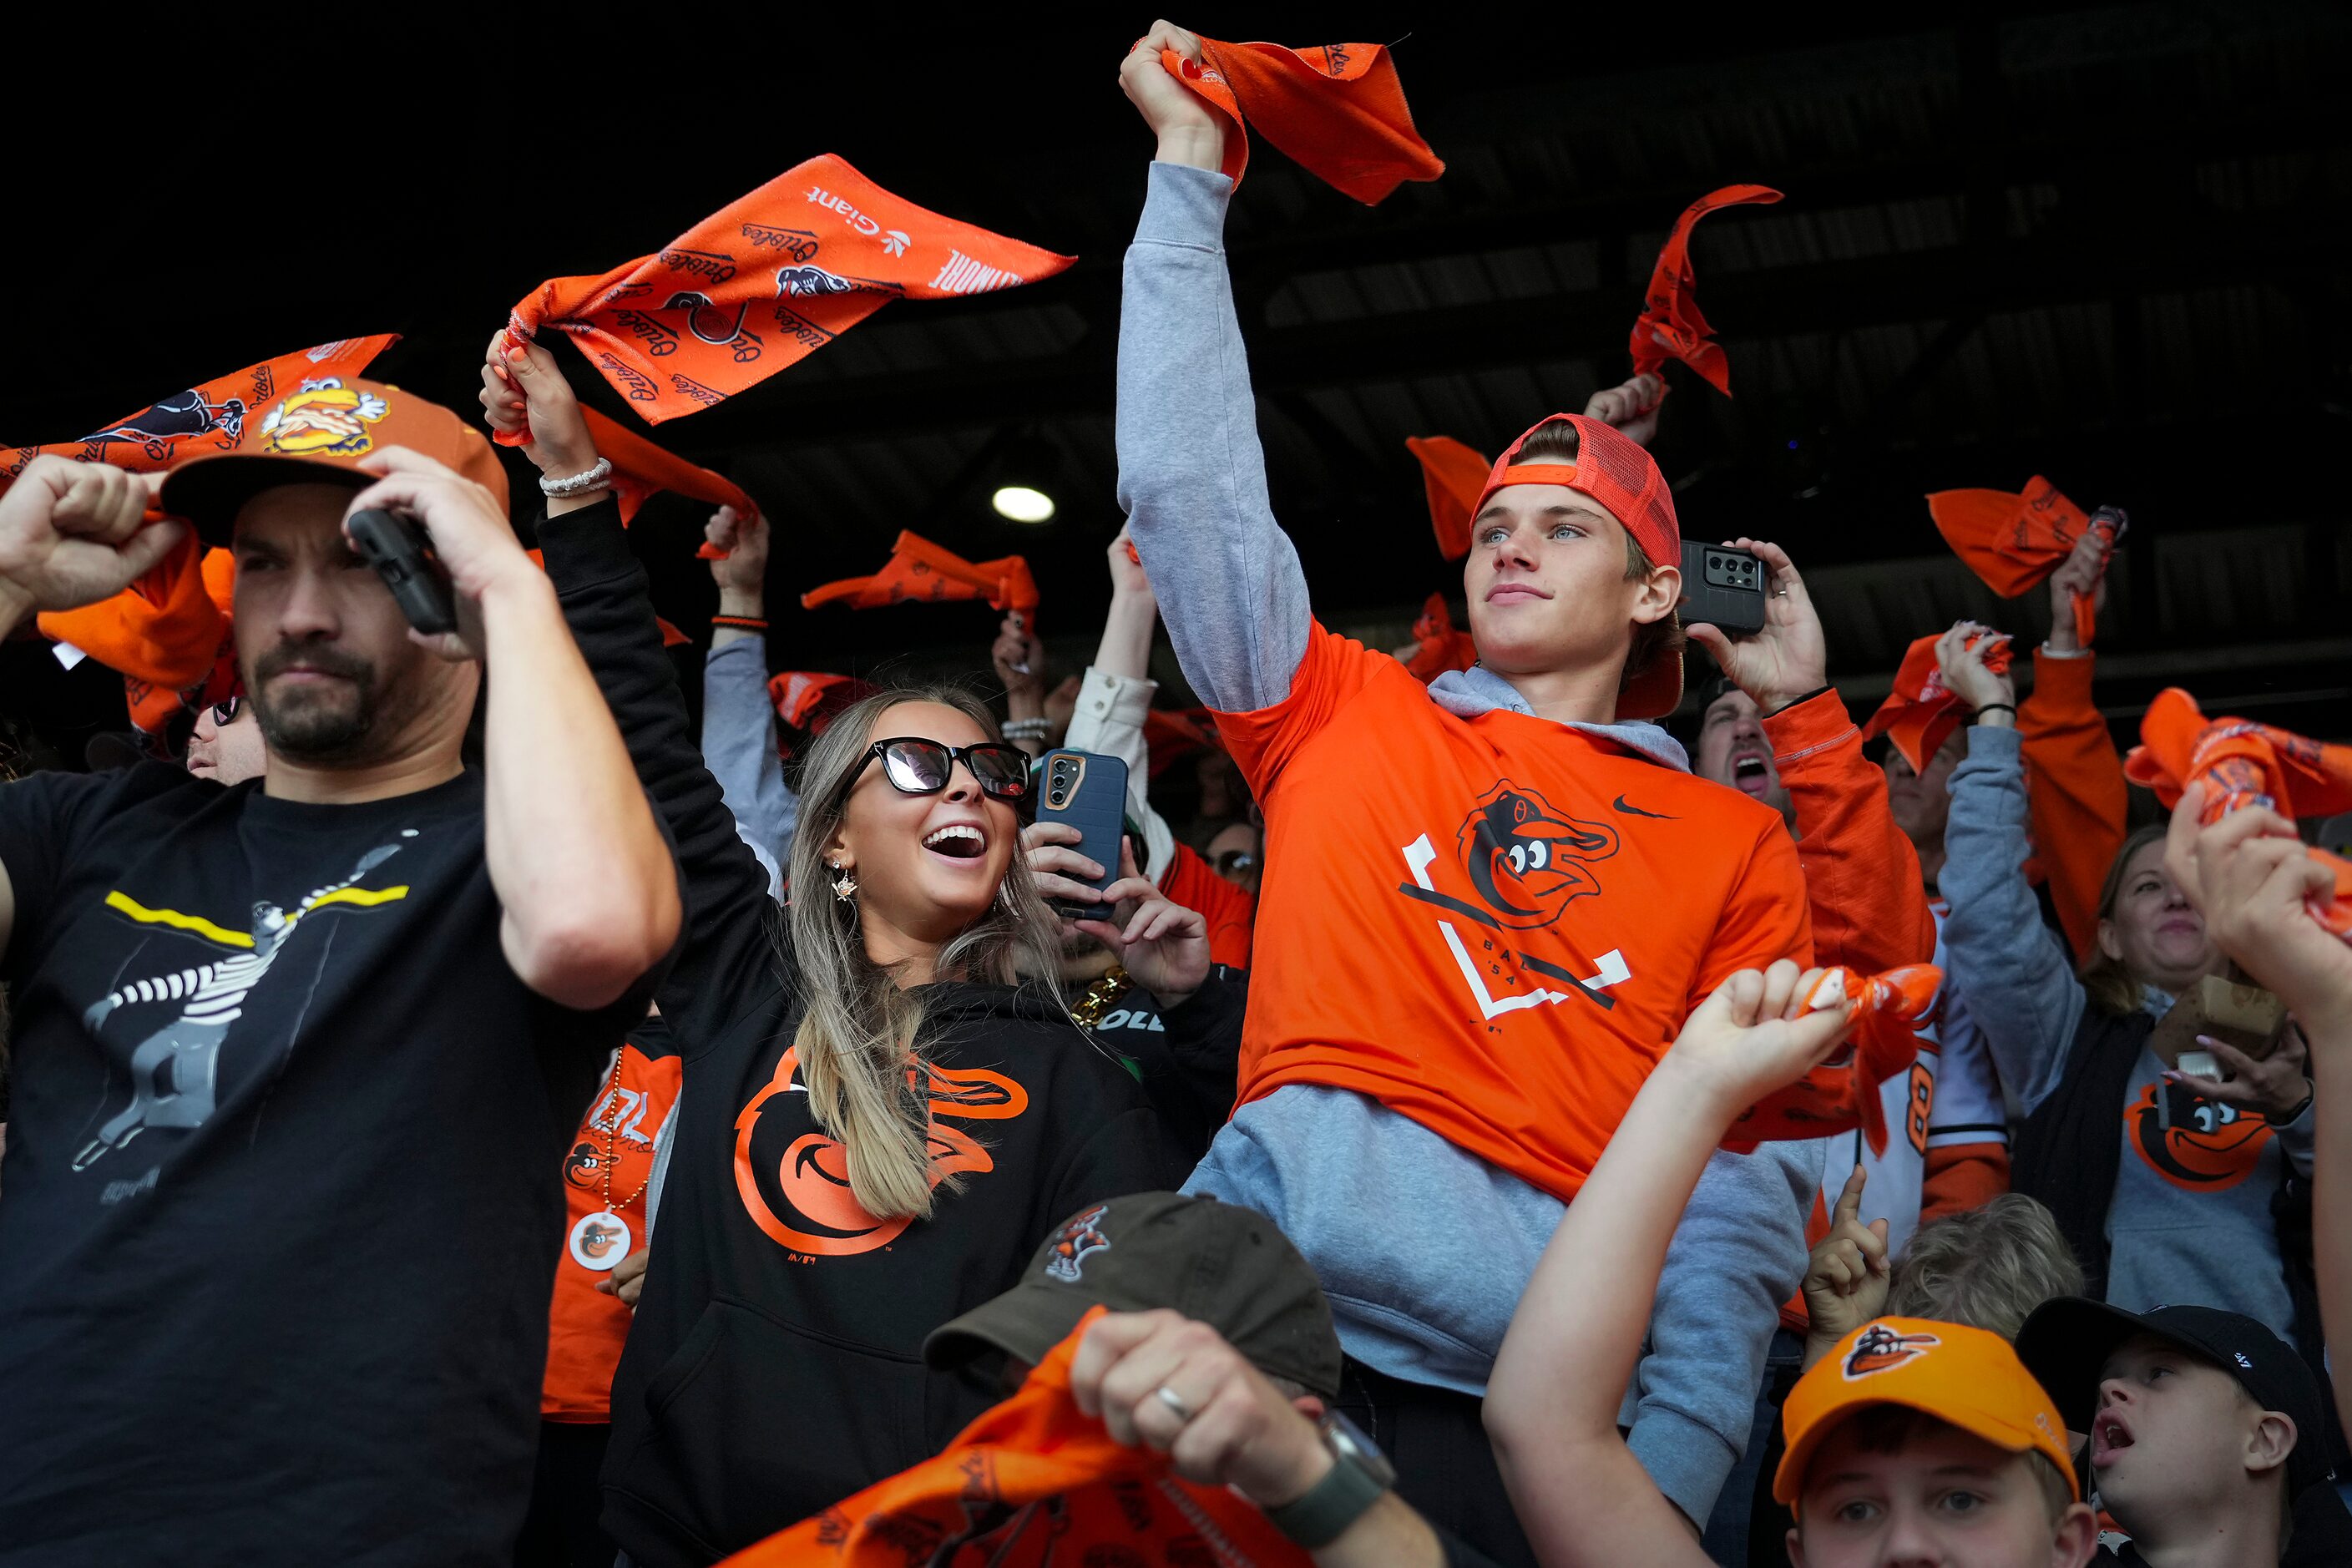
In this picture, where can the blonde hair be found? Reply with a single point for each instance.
(2109, 982)
(861, 1034)
(1988, 1267)
(1557, 441)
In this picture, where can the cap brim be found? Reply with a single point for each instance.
(1790, 1478)
(210, 490)
(1026, 1323)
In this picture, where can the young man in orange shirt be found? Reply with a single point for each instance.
(1489, 903)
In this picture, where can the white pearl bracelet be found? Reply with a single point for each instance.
(594, 478)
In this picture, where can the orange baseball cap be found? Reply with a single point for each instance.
(1624, 479)
(1965, 1376)
(319, 434)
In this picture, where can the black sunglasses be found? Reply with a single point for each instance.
(915, 766)
(225, 712)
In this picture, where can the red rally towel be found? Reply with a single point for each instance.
(1921, 713)
(1454, 477)
(1033, 1483)
(1889, 1010)
(1441, 648)
(2243, 764)
(2014, 542)
(922, 572)
(1670, 325)
(1337, 109)
(766, 280)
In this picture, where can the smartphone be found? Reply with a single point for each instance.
(1089, 793)
(398, 550)
(1723, 588)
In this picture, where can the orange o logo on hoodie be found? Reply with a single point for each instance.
(2208, 1147)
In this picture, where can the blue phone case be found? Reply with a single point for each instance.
(1089, 793)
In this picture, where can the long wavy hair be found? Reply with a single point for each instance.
(861, 1033)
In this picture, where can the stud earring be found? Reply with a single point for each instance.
(843, 887)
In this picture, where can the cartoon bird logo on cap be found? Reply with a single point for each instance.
(1076, 1242)
(325, 419)
(1881, 1349)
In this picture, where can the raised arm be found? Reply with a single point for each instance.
(1114, 695)
(738, 721)
(1192, 475)
(2074, 780)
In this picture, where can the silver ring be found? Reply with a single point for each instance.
(1174, 1401)
(1779, 593)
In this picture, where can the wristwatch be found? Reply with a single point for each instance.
(1359, 1474)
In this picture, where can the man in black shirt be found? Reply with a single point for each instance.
(295, 1059)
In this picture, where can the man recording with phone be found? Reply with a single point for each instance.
(278, 1044)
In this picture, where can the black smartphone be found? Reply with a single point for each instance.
(1089, 793)
(1723, 588)
(396, 547)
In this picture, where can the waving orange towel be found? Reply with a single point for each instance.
(1337, 109)
(766, 280)
(2243, 764)
(1441, 648)
(2014, 542)
(1033, 1482)
(1454, 476)
(1670, 325)
(1920, 715)
(1889, 1010)
(922, 572)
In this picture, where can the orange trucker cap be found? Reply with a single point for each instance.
(1965, 1376)
(319, 435)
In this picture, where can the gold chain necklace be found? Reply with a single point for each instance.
(1087, 1011)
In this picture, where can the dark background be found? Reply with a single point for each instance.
(2087, 242)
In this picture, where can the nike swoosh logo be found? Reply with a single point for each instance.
(1631, 810)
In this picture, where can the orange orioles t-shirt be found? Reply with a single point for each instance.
(1230, 910)
(1496, 925)
(585, 1328)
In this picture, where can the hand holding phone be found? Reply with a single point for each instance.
(401, 555)
(1089, 793)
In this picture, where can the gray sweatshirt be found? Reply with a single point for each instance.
(1336, 1169)
(738, 746)
(2190, 1220)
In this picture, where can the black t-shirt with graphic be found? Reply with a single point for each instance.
(280, 1184)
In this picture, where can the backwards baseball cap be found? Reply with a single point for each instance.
(1963, 1377)
(317, 436)
(1623, 477)
(2068, 1342)
(1228, 1268)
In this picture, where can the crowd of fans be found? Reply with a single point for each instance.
(1553, 1171)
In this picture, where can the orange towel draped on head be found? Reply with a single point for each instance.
(1454, 477)
(1670, 325)
(765, 281)
(2243, 764)
(1033, 1482)
(1920, 715)
(922, 572)
(1889, 1010)
(1337, 109)
(1441, 648)
(2014, 542)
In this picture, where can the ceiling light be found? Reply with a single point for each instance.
(1022, 504)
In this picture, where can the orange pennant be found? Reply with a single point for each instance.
(919, 572)
(2013, 543)
(1889, 1010)
(1454, 477)
(2242, 764)
(1441, 648)
(1920, 715)
(1337, 109)
(1670, 325)
(1033, 1482)
(765, 281)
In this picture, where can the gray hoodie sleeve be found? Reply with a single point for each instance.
(1737, 1256)
(2021, 992)
(1192, 475)
(738, 745)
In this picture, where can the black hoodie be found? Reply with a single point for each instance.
(776, 1363)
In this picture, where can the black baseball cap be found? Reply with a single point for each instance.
(2067, 1341)
(1229, 1268)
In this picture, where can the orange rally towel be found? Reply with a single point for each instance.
(1889, 1010)
(1921, 713)
(1033, 1482)
(1337, 109)
(640, 468)
(1670, 325)
(922, 572)
(1441, 648)
(1454, 477)
(766, 280)
(2014, 542)
(809, 700)
(2243, 764)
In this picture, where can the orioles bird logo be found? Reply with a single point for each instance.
(2207, 1147)
(1527, 860)
(1881, 1349)
(580, 1166)
(1076, 1242)
(596, 1240)
(325, 416)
